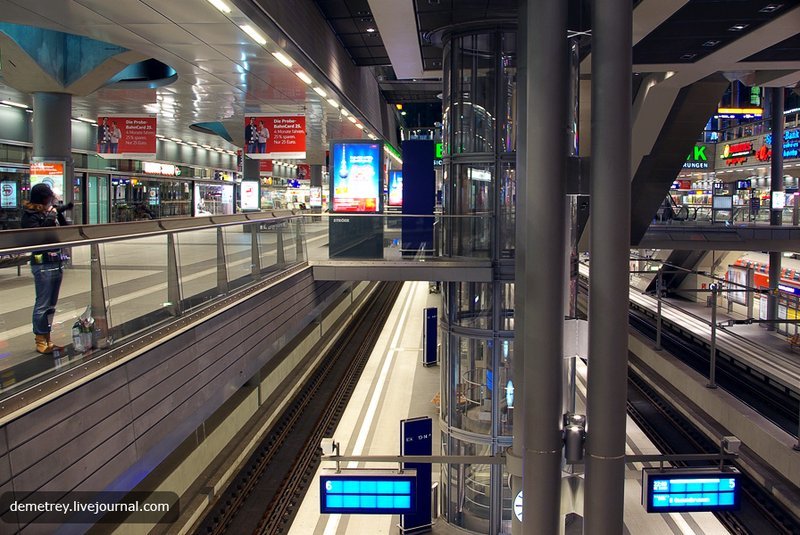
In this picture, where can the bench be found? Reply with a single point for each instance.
(17, 261)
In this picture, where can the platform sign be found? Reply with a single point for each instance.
(690, 491)
(416, 438)
(430, 338)
(368, 492)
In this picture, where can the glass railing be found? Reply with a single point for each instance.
(756, 128)
(397, 237)
(122, 280)
(702, 214)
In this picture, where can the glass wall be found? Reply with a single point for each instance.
(479, 170)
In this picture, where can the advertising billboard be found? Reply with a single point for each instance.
(315, 200)
(8, 194)
(395, 188)
(251, 196)
(275, 137)
(356, 176)
(50, 173)
(126, 137)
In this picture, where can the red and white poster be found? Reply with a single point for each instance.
(126, 137)
(275, 137)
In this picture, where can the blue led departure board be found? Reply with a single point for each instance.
(676, 491)
(368, 492)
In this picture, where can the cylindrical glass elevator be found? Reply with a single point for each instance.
(480, 132)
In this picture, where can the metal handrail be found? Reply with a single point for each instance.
(26, 240)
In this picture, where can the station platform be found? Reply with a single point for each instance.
(395, 385)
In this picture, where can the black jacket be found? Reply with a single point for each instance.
(35, 216)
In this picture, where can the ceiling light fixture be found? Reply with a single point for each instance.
(257, 37)
(321, 92)
(176, 139)
(370, 30)
(689, 56)
(770, 8)
(738, 27)
(333, 103)
(345, 112)
(283, 59)
(219, 4)
(303, 76)
(360, 126)
(352, 119)
(87, 120)
(15, 104)
(711, 43)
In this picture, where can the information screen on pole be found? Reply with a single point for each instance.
(395, 188)
(50, 173)
(682, 491)
(8, 194)
(356, 176)
(315, 198)
(368, 492)
(251, 195)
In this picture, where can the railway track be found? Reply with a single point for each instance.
(672, 433)
(263, 498)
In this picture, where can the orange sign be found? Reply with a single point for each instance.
(50, 173)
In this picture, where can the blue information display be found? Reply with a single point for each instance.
(368, 492)
(356, 176)
(416, 438)
(679, 491)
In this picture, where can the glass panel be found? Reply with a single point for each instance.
(197, 260)
(473, 302)
(474, 103)
(238, 254)
(505, 388)
(507, 306)
(20, 364)
(508, 96)
(290, 243)
(76, 214)
(507, 217)
(135, 278)
(471, 236)
(468, 488)
(473, 410)
(268, 245)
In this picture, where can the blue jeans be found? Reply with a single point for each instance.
(47, 279)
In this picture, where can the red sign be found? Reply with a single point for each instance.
(265, 166)
(275, 137)
(303, 171)
(764, 154)
(127, 136)
(737, 150)
(685, 184)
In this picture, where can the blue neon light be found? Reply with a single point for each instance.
(687, 492)
(367, 494)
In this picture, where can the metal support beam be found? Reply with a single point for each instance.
(610, 250)
(776, 186)
(98, 298)
(174, 293)
(540, 335)
(222, 267)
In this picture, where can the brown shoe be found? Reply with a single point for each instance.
(43, 344)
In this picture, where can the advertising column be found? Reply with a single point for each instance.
(355, 194)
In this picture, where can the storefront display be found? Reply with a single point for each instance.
(213, 199)
(136, 199)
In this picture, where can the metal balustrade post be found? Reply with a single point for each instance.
(255, 252)
(712, 373)
(222, 268)
(97, 298)
(174, 291)
(659, 286)
(281, 253)
(299, 239)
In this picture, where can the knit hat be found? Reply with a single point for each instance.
(41, 193)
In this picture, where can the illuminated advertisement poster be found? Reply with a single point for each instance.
(50, 173)
(738, 276)
(8, 194)
(275, 137)
(355, 177)
(251, 198)
(316, 197)
(395, 188)
(126, 136)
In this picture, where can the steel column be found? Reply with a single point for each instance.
(98, 298)
(776, 186)
(174, 293)
(609, 252)
(255, 252)
(52, 133)
(540, 336)
(712, 361)
(517, 449)
(222, 267)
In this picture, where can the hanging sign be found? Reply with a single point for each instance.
(130, 137)
(275, 137)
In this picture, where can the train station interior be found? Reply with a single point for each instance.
(356, 267)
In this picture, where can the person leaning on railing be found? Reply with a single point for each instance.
(46, 265)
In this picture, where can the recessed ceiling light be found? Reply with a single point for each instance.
(688, 56)
(176, 139)
(86, 120)
(219, 4)
(303, 76)
(283, 59)
(345, 112)
(333, 103)
(360, 126)
(770, 8)
(253, 33)
(738, 27)
(370, 30)
(321, 92)
(712, 43)
(352, 119)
